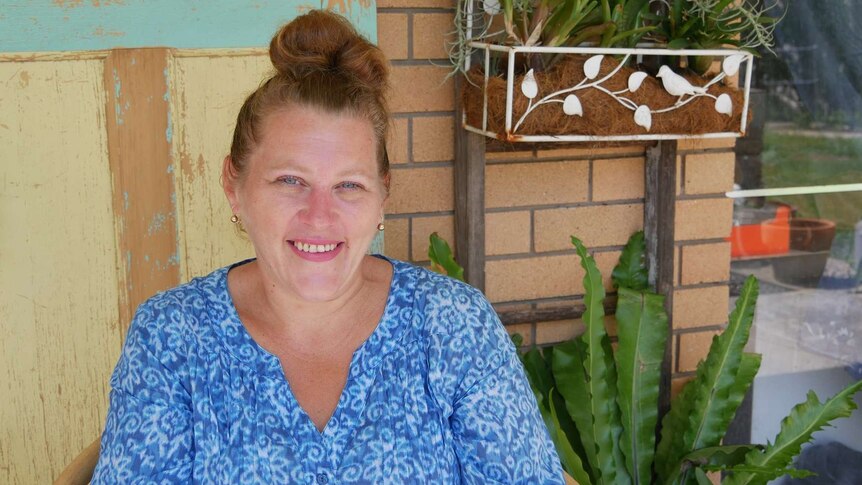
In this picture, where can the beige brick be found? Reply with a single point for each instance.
(421, 88)
(517, 184)
(507, 232)
(692, 348)
(433, 139)
(432, 33)
(699, 307)
(396, 144)
(618, 178)
(392, 34)
(596, 226)
(679, 180)
(519, 156)
(591, 152)
(707, 173)
(395, 242)
(706, 143)
(444, 226)
(703, 219)
(676, 257)
(532, 278)
(558, 331)
(705, 263)
(524, 329)
(605, 262)
(415, 4)
(678, 383)
(421, 190)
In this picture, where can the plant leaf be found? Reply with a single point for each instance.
(569, 374)
(538, 372)
(441, 258)
(631, 270)
(701, 413)
(642, 332)
(796, 429)
(701, 477)
(715, 457)
(570, 460)
(601, 383)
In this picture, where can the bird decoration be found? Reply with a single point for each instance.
(677, 85)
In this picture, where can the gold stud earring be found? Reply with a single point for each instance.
(381, 227)
(234, 218)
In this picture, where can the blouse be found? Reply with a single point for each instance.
(436, 394)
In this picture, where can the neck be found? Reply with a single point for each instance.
(290, 316)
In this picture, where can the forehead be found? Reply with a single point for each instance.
(305, 135)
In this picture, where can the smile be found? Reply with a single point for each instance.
(313, 248)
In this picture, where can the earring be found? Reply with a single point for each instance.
(234, 218)
(381, 227)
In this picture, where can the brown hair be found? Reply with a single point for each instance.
(320, 61)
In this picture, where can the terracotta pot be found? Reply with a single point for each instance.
(811, 234)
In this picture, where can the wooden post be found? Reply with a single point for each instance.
(139, 154)
(469, 198)
(659, 219)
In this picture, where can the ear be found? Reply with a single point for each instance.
(229, 181)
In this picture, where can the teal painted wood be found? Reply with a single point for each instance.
(82, 25)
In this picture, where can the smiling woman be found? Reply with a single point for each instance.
(315, 362)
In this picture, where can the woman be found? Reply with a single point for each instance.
(314, 362)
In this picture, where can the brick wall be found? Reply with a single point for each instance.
(536, 199)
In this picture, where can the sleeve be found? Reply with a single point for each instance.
(498, 432)
(148, 434)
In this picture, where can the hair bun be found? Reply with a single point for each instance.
(322, 42)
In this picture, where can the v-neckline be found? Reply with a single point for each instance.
(269, 365)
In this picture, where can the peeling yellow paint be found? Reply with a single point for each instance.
(203, 120)
(58, 279)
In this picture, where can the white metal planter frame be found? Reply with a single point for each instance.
(673, 84)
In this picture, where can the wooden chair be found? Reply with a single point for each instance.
(80, 470)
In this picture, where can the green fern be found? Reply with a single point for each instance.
(642, 329)
(701, 413)
(599, 365)
(441, 258)
(796, 429)
(631, 271)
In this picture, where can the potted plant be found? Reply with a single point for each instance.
(588, 56)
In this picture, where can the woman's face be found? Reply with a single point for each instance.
(310, 200)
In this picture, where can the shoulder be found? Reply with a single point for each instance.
(444, 305)
(173, 316)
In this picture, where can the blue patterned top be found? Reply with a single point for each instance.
(435, 395)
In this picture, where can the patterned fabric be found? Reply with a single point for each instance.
(435, 395)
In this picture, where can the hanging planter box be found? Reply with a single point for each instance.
(594, 94)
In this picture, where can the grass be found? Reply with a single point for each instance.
(792, 159)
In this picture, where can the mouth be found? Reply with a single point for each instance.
(312, 248)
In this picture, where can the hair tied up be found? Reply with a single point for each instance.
(323, 42)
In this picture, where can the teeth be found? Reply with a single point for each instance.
(314, 248)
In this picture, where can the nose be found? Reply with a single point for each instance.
(319, 210)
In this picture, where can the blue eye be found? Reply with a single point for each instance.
(289, 180)
(350, 185)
